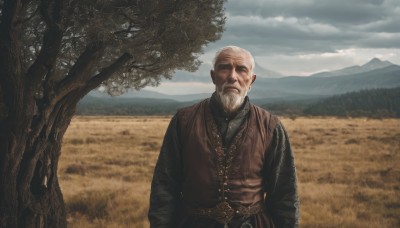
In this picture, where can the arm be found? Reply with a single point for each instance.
(166, 185)
(280, 181)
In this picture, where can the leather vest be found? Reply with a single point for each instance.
(211, 173)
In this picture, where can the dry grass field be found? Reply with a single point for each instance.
(348, 169)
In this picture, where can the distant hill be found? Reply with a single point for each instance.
(372, 103)
(285, 95)
(373, 64)
(290, 88)
(90, 105)
(293, 88)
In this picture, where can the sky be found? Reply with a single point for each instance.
(302, 37)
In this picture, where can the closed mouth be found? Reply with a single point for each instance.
(231, 88)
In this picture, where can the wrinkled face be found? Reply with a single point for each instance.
(232, 76)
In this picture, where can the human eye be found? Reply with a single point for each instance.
(242, 69)
(224, 67)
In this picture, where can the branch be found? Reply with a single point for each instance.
(80, 92)
(145, 67)
(74, 80)
(46, 59)
(106, 73)
(10, 64)
(81, 71)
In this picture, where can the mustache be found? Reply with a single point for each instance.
(230, 86)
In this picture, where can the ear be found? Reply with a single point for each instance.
(253, 78)
(212, 73)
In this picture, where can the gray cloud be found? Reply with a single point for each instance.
(389, 25)
(301, 37)
(325, 11)
(313, 25)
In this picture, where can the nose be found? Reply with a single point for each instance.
(233, 76)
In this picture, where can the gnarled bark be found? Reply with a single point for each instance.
(30, 195)
(32, 128)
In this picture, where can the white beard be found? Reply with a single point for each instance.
(230, 101)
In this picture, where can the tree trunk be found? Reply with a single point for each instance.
(35, 112)
(30, 192)
(31, 133)
(32, 127)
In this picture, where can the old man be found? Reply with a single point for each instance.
(225, 162)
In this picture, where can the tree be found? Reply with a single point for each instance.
(53, 52)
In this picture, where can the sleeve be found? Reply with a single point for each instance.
(165, 193)
(282, 200)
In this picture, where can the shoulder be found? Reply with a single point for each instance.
(185, 113)
(270, 120)
(194, 107)
(260, 110)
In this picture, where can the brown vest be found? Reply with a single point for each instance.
(212, 174)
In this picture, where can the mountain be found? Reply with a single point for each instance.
(373, 64)
(282, 95)
(377, 103)
(264, 91)
(295, 86)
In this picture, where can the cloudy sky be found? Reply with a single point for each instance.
(302, 37)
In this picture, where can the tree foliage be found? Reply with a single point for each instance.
(158, 37)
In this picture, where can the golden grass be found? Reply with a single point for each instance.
(348, 170)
